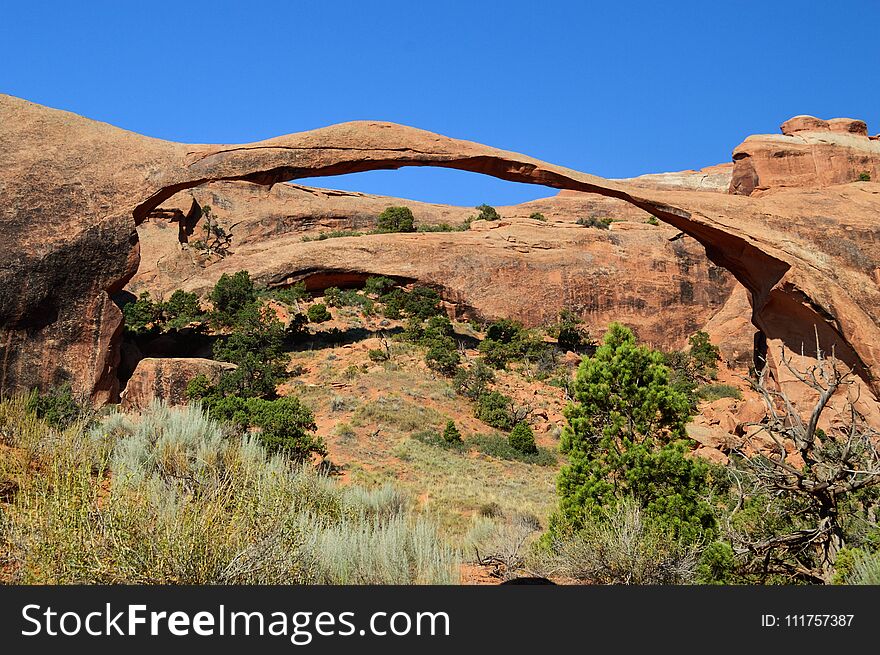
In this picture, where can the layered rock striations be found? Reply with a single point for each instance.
(73, 190)
(810, 153)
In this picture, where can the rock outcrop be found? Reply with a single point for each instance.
(810, 153)
(73, 191)
(166, 379)
(536, 268)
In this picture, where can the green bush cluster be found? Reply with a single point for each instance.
(58, 406)
(496, 410)
(285, 425)
(601, 223)
(145, 315)
(451, 434)
(522, 438)
(473, 382)
(333, 234)
(290, 295)
(498, 445)
(570, 335)
(507, 341)
(318, 313)
(421, 302)
(486, 213)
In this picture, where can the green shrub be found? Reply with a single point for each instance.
(289, 295)
(442, 355)
(717, 564)
(486, 213)
(864, 176)
(652, 220)
(182, 309)
(423, 303)
(333, 234)
(378, 285)
(318, 313)
(377, 355)
(506, 341)
(256, 346)
(451, 435)
(570, 336)
(444, 227)
(432, 437)
(712, 392)
(538, 216)
(523, 439)
(286, 426)
(601, 223)
(396, 219)
(58, 407)
(142, 314)
(230, 295)
(333, 297)
(705, 354)
(495, 410)
(393, 303)
(498, 445)
(473, 382)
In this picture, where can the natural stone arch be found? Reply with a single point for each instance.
(119, 177)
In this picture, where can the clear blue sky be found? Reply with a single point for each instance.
(612, 88)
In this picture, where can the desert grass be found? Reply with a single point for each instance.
(172, 497)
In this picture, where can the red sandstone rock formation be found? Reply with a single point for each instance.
(166, 379)
(536, 268)
(810, 153)
(73, 191)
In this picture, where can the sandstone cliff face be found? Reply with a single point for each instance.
(810, 152)
(73, 190)
(519, 268)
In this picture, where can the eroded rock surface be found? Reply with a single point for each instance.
(518, 267)
(810, 153)
(72, 191)
(166, 379)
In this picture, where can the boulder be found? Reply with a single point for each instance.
(166, 379)
(711, 455)
(711, 437)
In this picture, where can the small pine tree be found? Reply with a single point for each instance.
(451, 434)
(230, 295)
(704, 353)
(523, 439)
(624, 438)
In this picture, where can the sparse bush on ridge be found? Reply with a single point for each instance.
(601, 223)
(396, 219)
